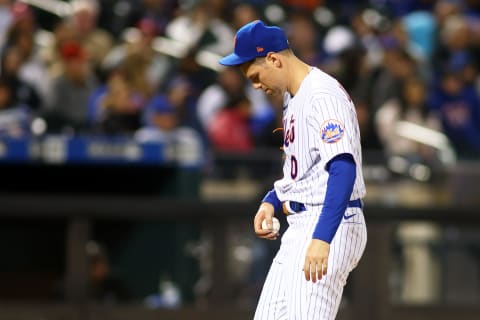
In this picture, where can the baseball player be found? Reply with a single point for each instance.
(322, 186)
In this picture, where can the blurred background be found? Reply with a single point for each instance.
(132, 163)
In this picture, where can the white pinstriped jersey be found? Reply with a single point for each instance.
(319, 122)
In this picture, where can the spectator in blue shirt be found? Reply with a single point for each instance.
(165, 120)
(457, 104)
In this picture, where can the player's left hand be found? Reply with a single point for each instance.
(316, 260)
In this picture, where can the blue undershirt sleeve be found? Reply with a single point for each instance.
(271, 197)
(341, 178)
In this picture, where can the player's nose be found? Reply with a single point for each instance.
(257, 85)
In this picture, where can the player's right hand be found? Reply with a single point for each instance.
(265, 211)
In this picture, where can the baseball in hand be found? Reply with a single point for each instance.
(275, 224)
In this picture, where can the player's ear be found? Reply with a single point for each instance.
(273, 58)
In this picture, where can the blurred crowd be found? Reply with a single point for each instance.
(148, 69)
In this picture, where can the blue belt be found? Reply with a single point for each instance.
(292, 207)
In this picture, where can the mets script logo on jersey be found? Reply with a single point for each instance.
(332, 131)
(289, 131)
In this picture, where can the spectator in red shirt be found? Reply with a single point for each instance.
(230, 129)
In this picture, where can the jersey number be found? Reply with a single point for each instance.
(293, 167)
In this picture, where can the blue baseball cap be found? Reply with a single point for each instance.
(254, 40)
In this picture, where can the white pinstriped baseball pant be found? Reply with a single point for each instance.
(286, 295)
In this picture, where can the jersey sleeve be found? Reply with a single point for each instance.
(332, 127)
(272, 198)
(341, 178)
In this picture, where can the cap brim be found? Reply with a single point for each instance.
(234, 60)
